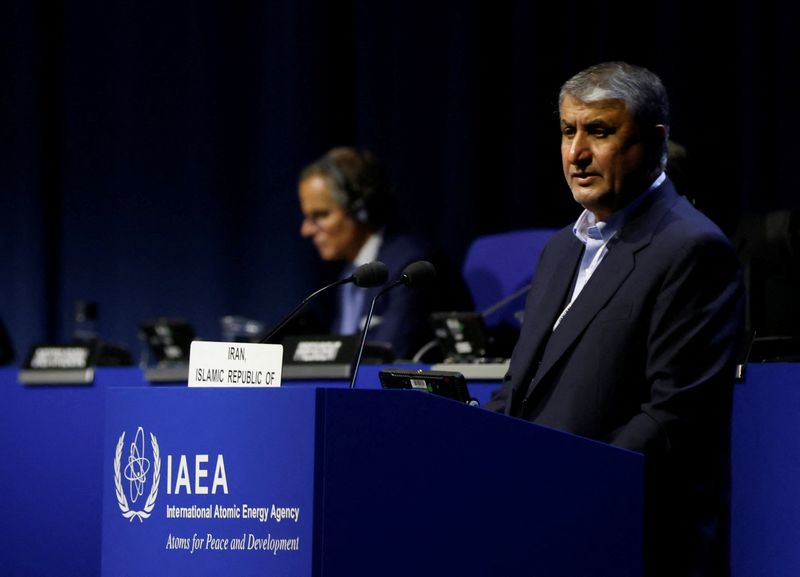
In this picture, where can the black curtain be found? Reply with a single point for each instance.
(150, 150)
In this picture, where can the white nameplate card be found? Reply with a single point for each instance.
(215, 364)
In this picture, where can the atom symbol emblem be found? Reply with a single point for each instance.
(136, 471)
(138, 466)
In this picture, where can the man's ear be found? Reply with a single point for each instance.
(657, 140)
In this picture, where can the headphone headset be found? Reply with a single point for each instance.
(358, 210)
(360, 196)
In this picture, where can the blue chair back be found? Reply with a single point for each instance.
(497, 265)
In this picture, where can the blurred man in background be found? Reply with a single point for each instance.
(345, 197)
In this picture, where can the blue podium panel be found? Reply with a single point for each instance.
(420, 485)
(208, 482)
(356, 483)
(765, 471)
(50, 490)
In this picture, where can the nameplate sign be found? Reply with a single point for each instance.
(55, 364)
(321, 349)
(218, 364)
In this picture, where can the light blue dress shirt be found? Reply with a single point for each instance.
(596, 237)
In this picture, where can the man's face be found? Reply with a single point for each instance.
(603, 154)
(335, 234)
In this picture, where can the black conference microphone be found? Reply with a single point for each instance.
(417, 274)
(368, 275)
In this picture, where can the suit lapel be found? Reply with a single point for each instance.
(614, 269)
(616, 266)
(542, 311)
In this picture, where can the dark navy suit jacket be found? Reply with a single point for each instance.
(644, 359)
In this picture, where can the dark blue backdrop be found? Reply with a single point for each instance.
(150, 149)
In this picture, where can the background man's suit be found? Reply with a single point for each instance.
(644, 359)
(401, 314)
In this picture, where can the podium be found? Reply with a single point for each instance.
(338, 482)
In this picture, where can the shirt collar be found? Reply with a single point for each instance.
(587, 227)
(369, 252)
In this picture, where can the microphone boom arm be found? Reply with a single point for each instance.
(357, 361)
(367, 275)
(298, 308)
(418, 273)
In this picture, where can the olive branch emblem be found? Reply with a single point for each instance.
(136, 472)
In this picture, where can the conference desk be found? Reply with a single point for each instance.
(52, 478)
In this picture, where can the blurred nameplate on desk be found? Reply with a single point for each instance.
(330, 356)
(58, 365)
(319, 356)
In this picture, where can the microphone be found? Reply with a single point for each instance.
(418, 274)
(368, 275)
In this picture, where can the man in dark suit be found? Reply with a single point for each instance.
(633, 319)
(345, 200)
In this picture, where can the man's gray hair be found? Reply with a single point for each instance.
(640, 89)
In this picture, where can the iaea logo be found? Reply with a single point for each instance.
(137, 473)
